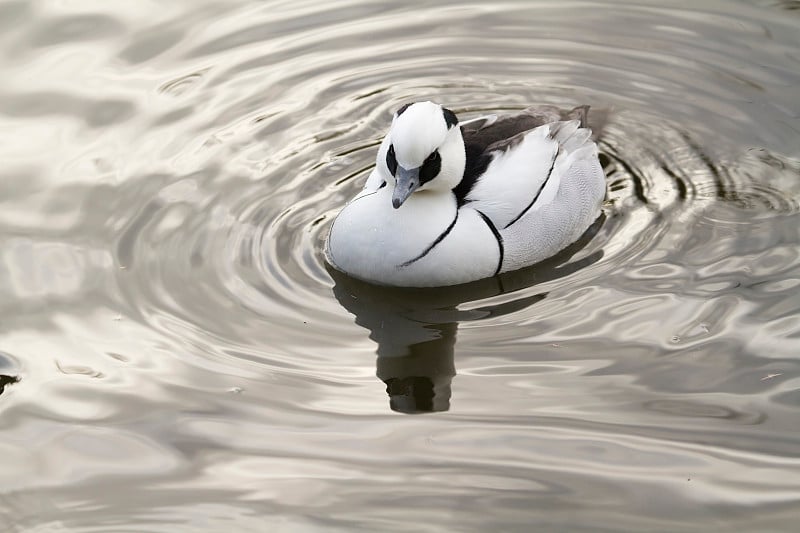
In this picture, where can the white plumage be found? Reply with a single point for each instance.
(450, 203)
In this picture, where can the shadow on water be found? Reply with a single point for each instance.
(415, 329)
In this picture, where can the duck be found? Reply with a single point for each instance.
(452, 202)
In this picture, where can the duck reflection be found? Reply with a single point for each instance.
(415, 329)
(6, 380)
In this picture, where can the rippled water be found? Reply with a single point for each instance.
(175, 356)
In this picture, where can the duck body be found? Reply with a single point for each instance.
(450, 203)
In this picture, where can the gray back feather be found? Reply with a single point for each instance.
(504, 132)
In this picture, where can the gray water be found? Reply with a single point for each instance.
(175, 356)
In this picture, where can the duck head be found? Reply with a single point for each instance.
(424, 151)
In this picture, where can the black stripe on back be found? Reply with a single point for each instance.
(439, 239)
(498, 237)
(476, 163)
(549, 173)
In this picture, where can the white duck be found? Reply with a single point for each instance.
(450, 203)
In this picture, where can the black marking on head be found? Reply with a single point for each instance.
(449, 118)
(432, 245)
(430, 168)
(391, 160)
(549, 173)
(403, 108)
(383, 184)
(498, 237)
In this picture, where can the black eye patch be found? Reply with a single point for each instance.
(430, 168)
(391, 160)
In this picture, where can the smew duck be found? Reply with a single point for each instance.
(451, 202)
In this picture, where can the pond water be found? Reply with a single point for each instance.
(175, 356)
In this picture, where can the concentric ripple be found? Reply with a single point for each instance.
(289, 130)
(169, 325)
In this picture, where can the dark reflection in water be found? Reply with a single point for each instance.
(7, 367)
(415, 329)
(6, 380)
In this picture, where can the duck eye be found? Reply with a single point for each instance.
(430, 168)
(391, 160)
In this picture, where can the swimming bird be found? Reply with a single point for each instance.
(451, 202)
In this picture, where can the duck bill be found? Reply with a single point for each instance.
(406, 182)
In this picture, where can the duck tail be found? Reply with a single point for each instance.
(570, 135)
(574, 143)
(580, 113)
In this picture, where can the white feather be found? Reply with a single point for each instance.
(514, 177)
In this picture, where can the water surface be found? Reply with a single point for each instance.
(175, 355)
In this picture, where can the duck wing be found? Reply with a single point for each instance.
(483, 131)
(483, 136)
(513, 163)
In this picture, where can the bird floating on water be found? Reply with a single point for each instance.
(451, 202)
